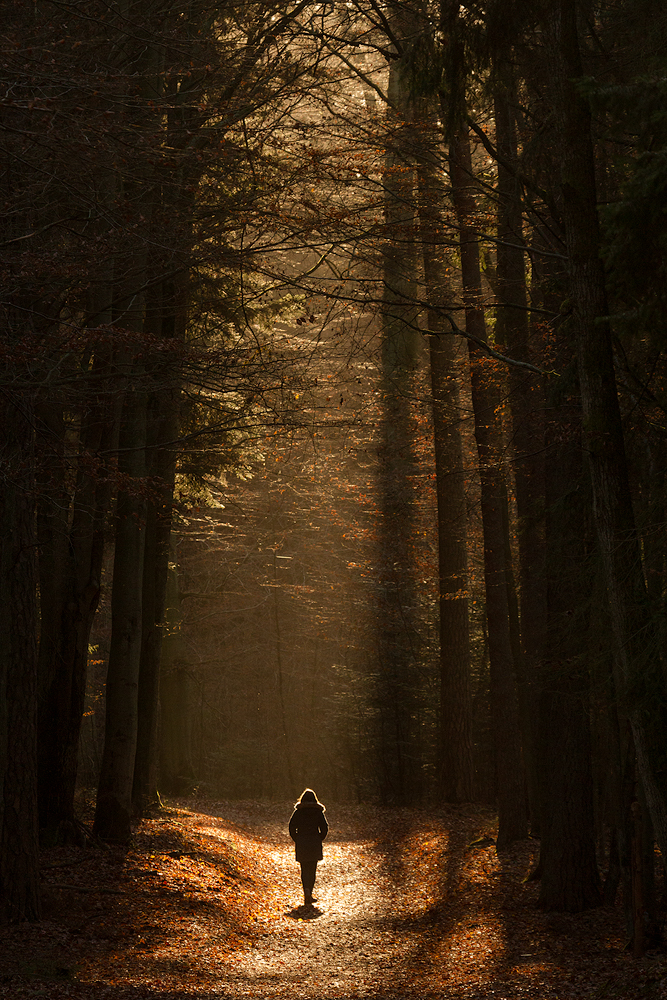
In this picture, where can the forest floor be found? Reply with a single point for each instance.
(206, 903)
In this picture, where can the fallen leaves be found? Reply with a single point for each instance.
(206, 903)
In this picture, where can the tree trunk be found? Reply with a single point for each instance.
(70, 560)
(177, 775)
(154, 588)
(19, 860)
(163, 429)
(526, 402)
(512, 816)
(635, 668)
(133, 270)
(568, 865)
(54, 683)
(455, 765)
(114, 794)
(398, 684)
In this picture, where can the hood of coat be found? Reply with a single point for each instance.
(309, 805)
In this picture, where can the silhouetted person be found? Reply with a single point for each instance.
(308, 828)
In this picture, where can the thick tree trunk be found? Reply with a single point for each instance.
(54, 684)
(603, 432)
(619, 764)
(114, 794)
(568, 865)
(70, 579)
(163, 432)
(398, 683)
(455, 766)
(512, 814)
(19, 861)
(132, 269)
(165, 318)
(526, 402)
(156, 565)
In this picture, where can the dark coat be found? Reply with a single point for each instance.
(308, 828)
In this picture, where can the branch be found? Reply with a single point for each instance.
(509, 166)
(486, 348)
(361, 75)
(387, 27)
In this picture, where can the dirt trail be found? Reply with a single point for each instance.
(207, 904)
(344, 944)
(416, 905)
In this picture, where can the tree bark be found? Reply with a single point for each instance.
(526, 403)
(133, 269)
(154, 590)
(168, 316)
(177, 774)
(512, 816)
(455, 765)
(568, 864)
(114, 795)
(398, 683)
(618, 538)
(19, 860)
(71, 547)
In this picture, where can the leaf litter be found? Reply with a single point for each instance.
(207, 903)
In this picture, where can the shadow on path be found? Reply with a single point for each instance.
(304, 912)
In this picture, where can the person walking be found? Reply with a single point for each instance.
(308, 827)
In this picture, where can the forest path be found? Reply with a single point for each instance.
(412, 905)
(346, 944)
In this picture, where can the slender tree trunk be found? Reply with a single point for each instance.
(144, 783)
(512, 816)
(177, 775)
(603, 431)
(280, 683)
(455, 766)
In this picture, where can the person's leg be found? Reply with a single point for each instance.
(308, 871)
(312, 878)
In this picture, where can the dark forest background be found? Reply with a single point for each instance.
(333, 406)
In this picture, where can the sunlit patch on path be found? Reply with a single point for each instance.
(341, 946)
